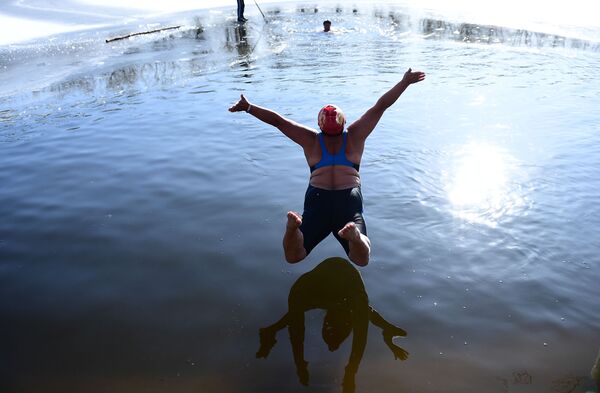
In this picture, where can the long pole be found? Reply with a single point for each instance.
(266, 21)
(143, 32)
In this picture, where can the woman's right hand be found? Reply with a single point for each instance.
(241, 106)
(411, 77)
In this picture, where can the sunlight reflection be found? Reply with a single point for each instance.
(479, 185)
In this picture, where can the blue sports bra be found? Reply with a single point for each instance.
(327, 159)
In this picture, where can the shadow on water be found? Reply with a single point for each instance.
(336, 286)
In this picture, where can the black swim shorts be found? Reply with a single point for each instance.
(327, 211)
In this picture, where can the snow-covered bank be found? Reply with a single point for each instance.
(22, 20)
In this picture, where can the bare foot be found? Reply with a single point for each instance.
(349, 232)
(358, 244)
(294, 220)
(293, 239)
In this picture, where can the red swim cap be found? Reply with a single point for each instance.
(331, 120)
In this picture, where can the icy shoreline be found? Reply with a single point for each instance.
(26, 20)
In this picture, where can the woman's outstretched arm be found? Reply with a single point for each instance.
(361, 128)
(302, 135)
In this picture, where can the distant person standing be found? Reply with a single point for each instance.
(240, 11)
(327, 26)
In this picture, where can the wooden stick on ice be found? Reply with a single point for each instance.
(143, 32)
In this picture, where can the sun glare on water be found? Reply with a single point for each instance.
(479, 185)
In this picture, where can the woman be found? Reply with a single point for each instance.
(333, 200)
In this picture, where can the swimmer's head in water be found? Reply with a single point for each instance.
(331, 120)
(337, 325)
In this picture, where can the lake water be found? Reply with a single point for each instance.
(140, 239)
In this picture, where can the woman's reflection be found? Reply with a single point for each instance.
(336, 286)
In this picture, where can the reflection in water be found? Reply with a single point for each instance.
(487, 34)
(479, 186)
(143, 72)
(432, 28)
(7, 116)
(237, 37)
(336, 286)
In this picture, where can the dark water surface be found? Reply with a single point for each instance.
(141, 223)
